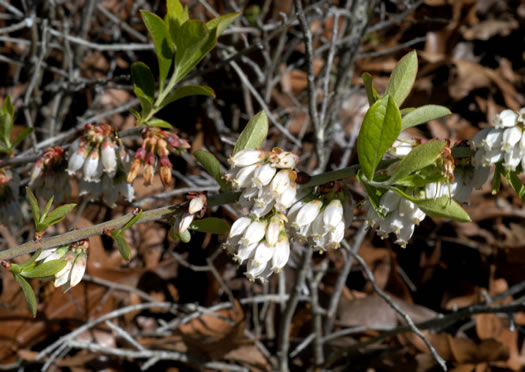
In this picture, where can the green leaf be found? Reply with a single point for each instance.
(402, 78)
(8, 106)
(443, 207)
(146, 105)
(193, 41)
(222, 22)
(33, 258)
(212, 225)
(28, 293)
(46, 209)
(122, 244)
(132, 221)
(177, 11)
(144, 81)
(254, 134)
(212, 165)
(159, 123)
(185, 236)
(381, 126)
(15, 269)
(496, 179)
(420, 157)
(186, 91)
(374, 194)
(423, 114)
(33, 203)
(6, 126)
(58, 214)
(370, 91)
(516, 184)
(23, 134)
(162, 41)
(45, 269)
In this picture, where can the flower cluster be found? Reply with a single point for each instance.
(156, 146)
(503, 142)
(197, 205)
(10, 213)
(48, 177)
(76, 262)
(263, 243)
(322, 221)
(266, 179)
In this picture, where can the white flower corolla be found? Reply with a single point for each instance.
(78, 155)
(284, 160)
(109, 156)
(389, 202)
(401, 148)
(510, 137)
(333, 214)
(404, 235)
(492, 139)
(76, 262)
(263, 175)
(254, 233)
(478, 140)
(243, 177)
(263, 253)
(196, 204)
(185, 222)
(287, 198)
(305, 216)
(246, 157)
(281, 181)
(93, 167)
(244, 252)
(506, 118)
(281, 253)
(273, 230)
(512, 158)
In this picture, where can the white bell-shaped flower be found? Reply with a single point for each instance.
(245, 158)
(505, 119)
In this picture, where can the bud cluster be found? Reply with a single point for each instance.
(321, 219)
(266, 179)
(262, 243)
(156, 146)
(48, 177)
(503, 142)
(76, 262)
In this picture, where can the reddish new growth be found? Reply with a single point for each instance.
(157, 145)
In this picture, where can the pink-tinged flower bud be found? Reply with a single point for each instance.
(281, 181)
(273, 230)
(285, 160)
(246, 157)
(510, 137)
(281, 254)
(36, 172)
(243, 177)
(239, 226)
(333, 214)
(78, 269)
(134, 170)
(307, 214)
(165, 171)
(108, 156)
(263, 175)
(197, 203)
(254, 233)
(185, 222)
(506, 118)
(148, 174)
(92, 167)
(79, 154)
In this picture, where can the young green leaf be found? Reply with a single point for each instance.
(33, 258)
(122, 244)
(212, 225)
(6, 127)
(423, 114)
(212, 165)
(254, 134)
(176, 11)
(516, 184)
(496, 179)
(33, 203)
(21, 136)
(374, 194)
(28, 293)
(8, 107)
(381, 126)
(163, 45)
(46, 209)
(143, 80)
(193, 41)
(58, 214)
(222, 22)
(45, 269)
(443, 207)
(402, 78)
(132, 221)
(186, 91)
(159, 123)
(420, 157)
(370, 91)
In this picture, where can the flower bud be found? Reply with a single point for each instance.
(148, 174)
(333, 214)
(196, 204)
(78, 269)
(134, 170)
(78, 157)
(185, 222)
(92, 167)
(285, 160)
(273, 230)
(108, 156)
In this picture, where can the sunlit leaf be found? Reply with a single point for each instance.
(31, 260)
(402, 78)
(254, 134)
(370, 91)
(212, 165)
(45, 269)
(422, 115)
(122, 244)
(143, 80)
(420, 157)
(222, 22)
(28, 293)
(186, 91)
(58, 214)
(33, 203)
(132, 221)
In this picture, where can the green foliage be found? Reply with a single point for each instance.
(516, 184)
(212, 225)
(6, 128)
(370, 91)
(28, 293)
(254, 134)
(420, 157)
(179, 42)
(212, 165)
(402, 78)
(423, 114)
(118, 236)
(46, 219)
(44, 270)
(381, 127)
